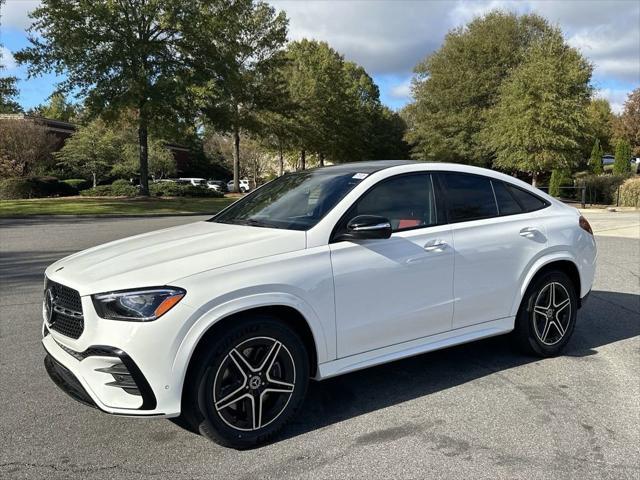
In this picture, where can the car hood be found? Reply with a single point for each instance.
(160, 257)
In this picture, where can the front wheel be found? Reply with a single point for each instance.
(250, 382)
(547, 315)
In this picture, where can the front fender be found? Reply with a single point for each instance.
(209, 316)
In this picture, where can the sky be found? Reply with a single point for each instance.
(389, 37)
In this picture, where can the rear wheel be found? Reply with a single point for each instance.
(547, 315)
(248, 384)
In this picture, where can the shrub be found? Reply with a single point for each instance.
(119, 188)
(78, 183)
(630, 193)
(34, 187)
(559, 178)
(602, 188)
(172, 189)
(623, 155)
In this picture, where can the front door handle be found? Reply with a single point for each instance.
(435, 245)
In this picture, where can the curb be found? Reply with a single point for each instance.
(106, 215)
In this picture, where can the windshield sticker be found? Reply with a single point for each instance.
(360, 176)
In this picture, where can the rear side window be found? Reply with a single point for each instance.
(507, 205)
(527, 201)
(469, 197)
(408, 201)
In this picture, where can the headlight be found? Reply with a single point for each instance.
(142, 305)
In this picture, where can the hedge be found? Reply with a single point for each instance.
(78, 183)
(172, 189)
(602, 189)
(119, 188)
(34, 187)
(630, 193)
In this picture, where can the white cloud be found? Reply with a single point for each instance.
(616, 98)
(7, 60)
(401, 91)
(15, 13)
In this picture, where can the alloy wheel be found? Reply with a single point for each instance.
(552, 313)
(254, 383)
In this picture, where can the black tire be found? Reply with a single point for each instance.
(279, 388)
(533, 319)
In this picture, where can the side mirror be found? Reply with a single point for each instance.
(367, 227)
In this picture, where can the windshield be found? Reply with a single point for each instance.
(295, 201)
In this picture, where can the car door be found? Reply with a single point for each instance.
(495, 239)
(389, 291)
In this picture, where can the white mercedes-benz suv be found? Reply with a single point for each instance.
(221, 323)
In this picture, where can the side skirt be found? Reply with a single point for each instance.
(415, 347)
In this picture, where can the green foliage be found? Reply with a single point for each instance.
(456, 86)
(116, 55)
(8, 87)
(57, 109)
(595, 160)
(627, 125)
(25, 148)
(559, 178)
(622, 165)
(91, 150)
(161, 161)
(538, 123)
(34, 187)
(119, 188)
(601, 189)
(77, 183)
(599, 124)
(630, 193)
(172, 189)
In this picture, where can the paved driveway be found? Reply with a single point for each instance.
(474, 411)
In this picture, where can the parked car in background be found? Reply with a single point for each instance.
(244, 185)
(608, 160)
(196, 182)
(313, 275)
(217, 185)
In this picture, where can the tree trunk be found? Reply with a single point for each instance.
(280, 160)
(534, 179)
(236, 159)
(321, 157)
(95, 179)
(303, 159)
(144, 153)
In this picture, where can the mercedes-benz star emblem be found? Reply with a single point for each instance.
(48, 303)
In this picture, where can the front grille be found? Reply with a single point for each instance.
(66, 315)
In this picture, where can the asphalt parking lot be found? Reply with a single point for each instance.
(476, 411)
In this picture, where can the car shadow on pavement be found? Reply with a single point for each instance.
(607, 317)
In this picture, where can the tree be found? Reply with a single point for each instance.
(116, 54)
(456, 86)
(162, 164)
(621, 164)
(236, 74)
(539, 121)
(93, 149)
(595, 160)
(318, 85)
(8, 86)
(25, 147)
(627, 125)
(57, 109)
(599, 123)
(387, 136)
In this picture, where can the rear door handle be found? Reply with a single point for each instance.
(435, 245)
(529, 232)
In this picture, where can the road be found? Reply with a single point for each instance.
(475, 411)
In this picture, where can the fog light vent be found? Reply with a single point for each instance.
(122, 378)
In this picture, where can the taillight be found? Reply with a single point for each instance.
(584, 224)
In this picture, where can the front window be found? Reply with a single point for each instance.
(295, 201)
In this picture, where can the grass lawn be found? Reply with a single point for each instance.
(111, 205)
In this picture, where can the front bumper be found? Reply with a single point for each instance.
(122, 368)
